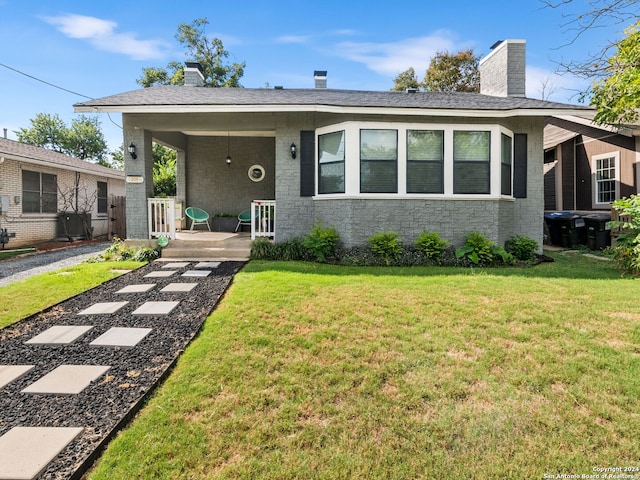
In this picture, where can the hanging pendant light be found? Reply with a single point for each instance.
(228, 156)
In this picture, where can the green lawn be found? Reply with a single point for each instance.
(315, 371)
(26, 297)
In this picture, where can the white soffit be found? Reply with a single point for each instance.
(218, 133)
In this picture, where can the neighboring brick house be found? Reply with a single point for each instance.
(37, 184)
(588, 166)
(366, 161)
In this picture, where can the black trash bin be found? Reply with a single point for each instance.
(598, 235)
(552, 221)
(573, 230)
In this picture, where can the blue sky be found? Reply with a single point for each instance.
(100, 48)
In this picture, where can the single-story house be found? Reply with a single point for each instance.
(588, 166)
(37, 185)
(361, 161)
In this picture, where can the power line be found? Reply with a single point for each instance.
(55, 86)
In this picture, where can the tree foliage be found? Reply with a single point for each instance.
(617, 97)
(447, 72)
(457, 72)
(83, 140)
(208, 51)
(164, 171)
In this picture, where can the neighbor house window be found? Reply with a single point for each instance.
(605, 167)
(39, 192)
(102, 197)
(425, 161)
(505, 164)
(331, 163)
(378, 161)
(471, 162)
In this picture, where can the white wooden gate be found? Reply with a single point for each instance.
(162, 217)
(264, 213)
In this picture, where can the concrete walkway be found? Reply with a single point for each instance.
(72, 376)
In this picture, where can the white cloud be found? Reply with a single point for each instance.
(395, 57)
(557, 88)
(102, 35)
(293, 39)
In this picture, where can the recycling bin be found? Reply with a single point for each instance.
(552, 221)
(573, 230)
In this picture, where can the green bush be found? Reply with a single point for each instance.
(265, 249)
(386, 245)
(431, 244)
(119, 252)
(626, 251)
(482, 251)
(321, 243)
(522, 248)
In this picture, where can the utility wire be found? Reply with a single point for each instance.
(55, 86)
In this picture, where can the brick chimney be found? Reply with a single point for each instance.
(320, 78)
(193, 76)
(503, 71)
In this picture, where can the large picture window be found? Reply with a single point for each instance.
(605, 167)
(505, 164)
(471, 162)
(39, 192)
(425, 161)
(331, 163)
(378, 161)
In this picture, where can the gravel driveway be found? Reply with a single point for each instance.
(25, 266)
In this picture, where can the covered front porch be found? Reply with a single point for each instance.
(204, 245)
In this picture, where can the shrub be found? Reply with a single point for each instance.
(119, 252)
(522, 248)
(482, 251)
(386, 245)
(262, 249)
(626, 252)
(321, 243)
(431, 244)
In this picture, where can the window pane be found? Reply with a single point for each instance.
(425, 145)
(102, 197)
(377, 176)
(605, 180)
(425, 177)
(471, 177)
(331, 177)
(30, 181)
(30, 202)
(49, 183)
(471, 146)
(49, 203)
(331, 147)
(378, 144)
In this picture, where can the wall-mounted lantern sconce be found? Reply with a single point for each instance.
(294, 150)
(132, 150)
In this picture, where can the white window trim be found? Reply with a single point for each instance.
(594, 187)
(352, 159)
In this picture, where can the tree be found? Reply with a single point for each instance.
(83, 140)
(406, 80)
(617, 97)
(164, 171)
(209, 52)
(457, 72)
(447, 72)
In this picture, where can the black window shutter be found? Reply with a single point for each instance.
(520, 165)
(307, 163)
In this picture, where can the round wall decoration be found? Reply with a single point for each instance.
(256, 173)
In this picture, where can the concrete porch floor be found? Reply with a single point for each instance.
(199, 244)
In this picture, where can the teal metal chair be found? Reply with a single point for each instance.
(197, 216)
(244, 218)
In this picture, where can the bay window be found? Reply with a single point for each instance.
(506, 157)
(425, 161)
(471, 162)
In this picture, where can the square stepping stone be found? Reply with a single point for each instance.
(155, 308)
(196, 273)
(60, 334)
(103, 308)
(179, 287)
(176, 265)
(137, 288)
(67, 379)
(207, 265)
(160, 274)
(9, 373)
(121, 337)
(26, 451)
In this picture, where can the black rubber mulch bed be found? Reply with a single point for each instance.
(109, 403)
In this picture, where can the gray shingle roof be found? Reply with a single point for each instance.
(31, 153)
(173, 95)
